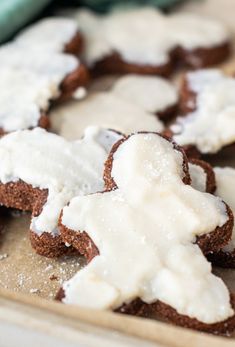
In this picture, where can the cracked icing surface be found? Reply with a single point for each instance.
(139, 227)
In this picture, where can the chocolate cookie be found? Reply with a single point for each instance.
(40, 172)
(146, 250)
(146, 41)
(208, 108)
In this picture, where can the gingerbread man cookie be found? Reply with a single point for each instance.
(148, 232)
(134, 103)
(26, 96)
(40, 172)
(34, 76)
(143, 40)
(208, 101)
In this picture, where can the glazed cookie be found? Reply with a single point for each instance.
(64, 72)
(134, 103)
(142, 247)
(27, 93)
(40, 172)
(208, 101)
(22, 102)
(225, 179)
(34, 76)
(29, 86)
(143, 40)
(52, 34)
(155, 95)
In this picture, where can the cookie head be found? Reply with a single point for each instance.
(146, 164)
(145, 230)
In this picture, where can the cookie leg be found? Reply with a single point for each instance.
(80, 241)
(169, 314)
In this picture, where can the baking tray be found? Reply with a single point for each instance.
(29, 282)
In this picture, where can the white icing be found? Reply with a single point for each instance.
(212, 125)
(129, 33)
(30, 79)
(106, 110)
(192, 31)
(153, 94)
(92, 27)
(144, 231)
(23, 95)
(47, 161)
(225, 182)
(130, 106)
(201, 79)
(49, 34)
(145, 36)
(198, 177)
(26, 92)
(54, 65)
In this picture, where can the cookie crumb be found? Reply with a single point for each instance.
(20, 280)
(34, 291)
(3, 256)
(53, 277)
(49, 267)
